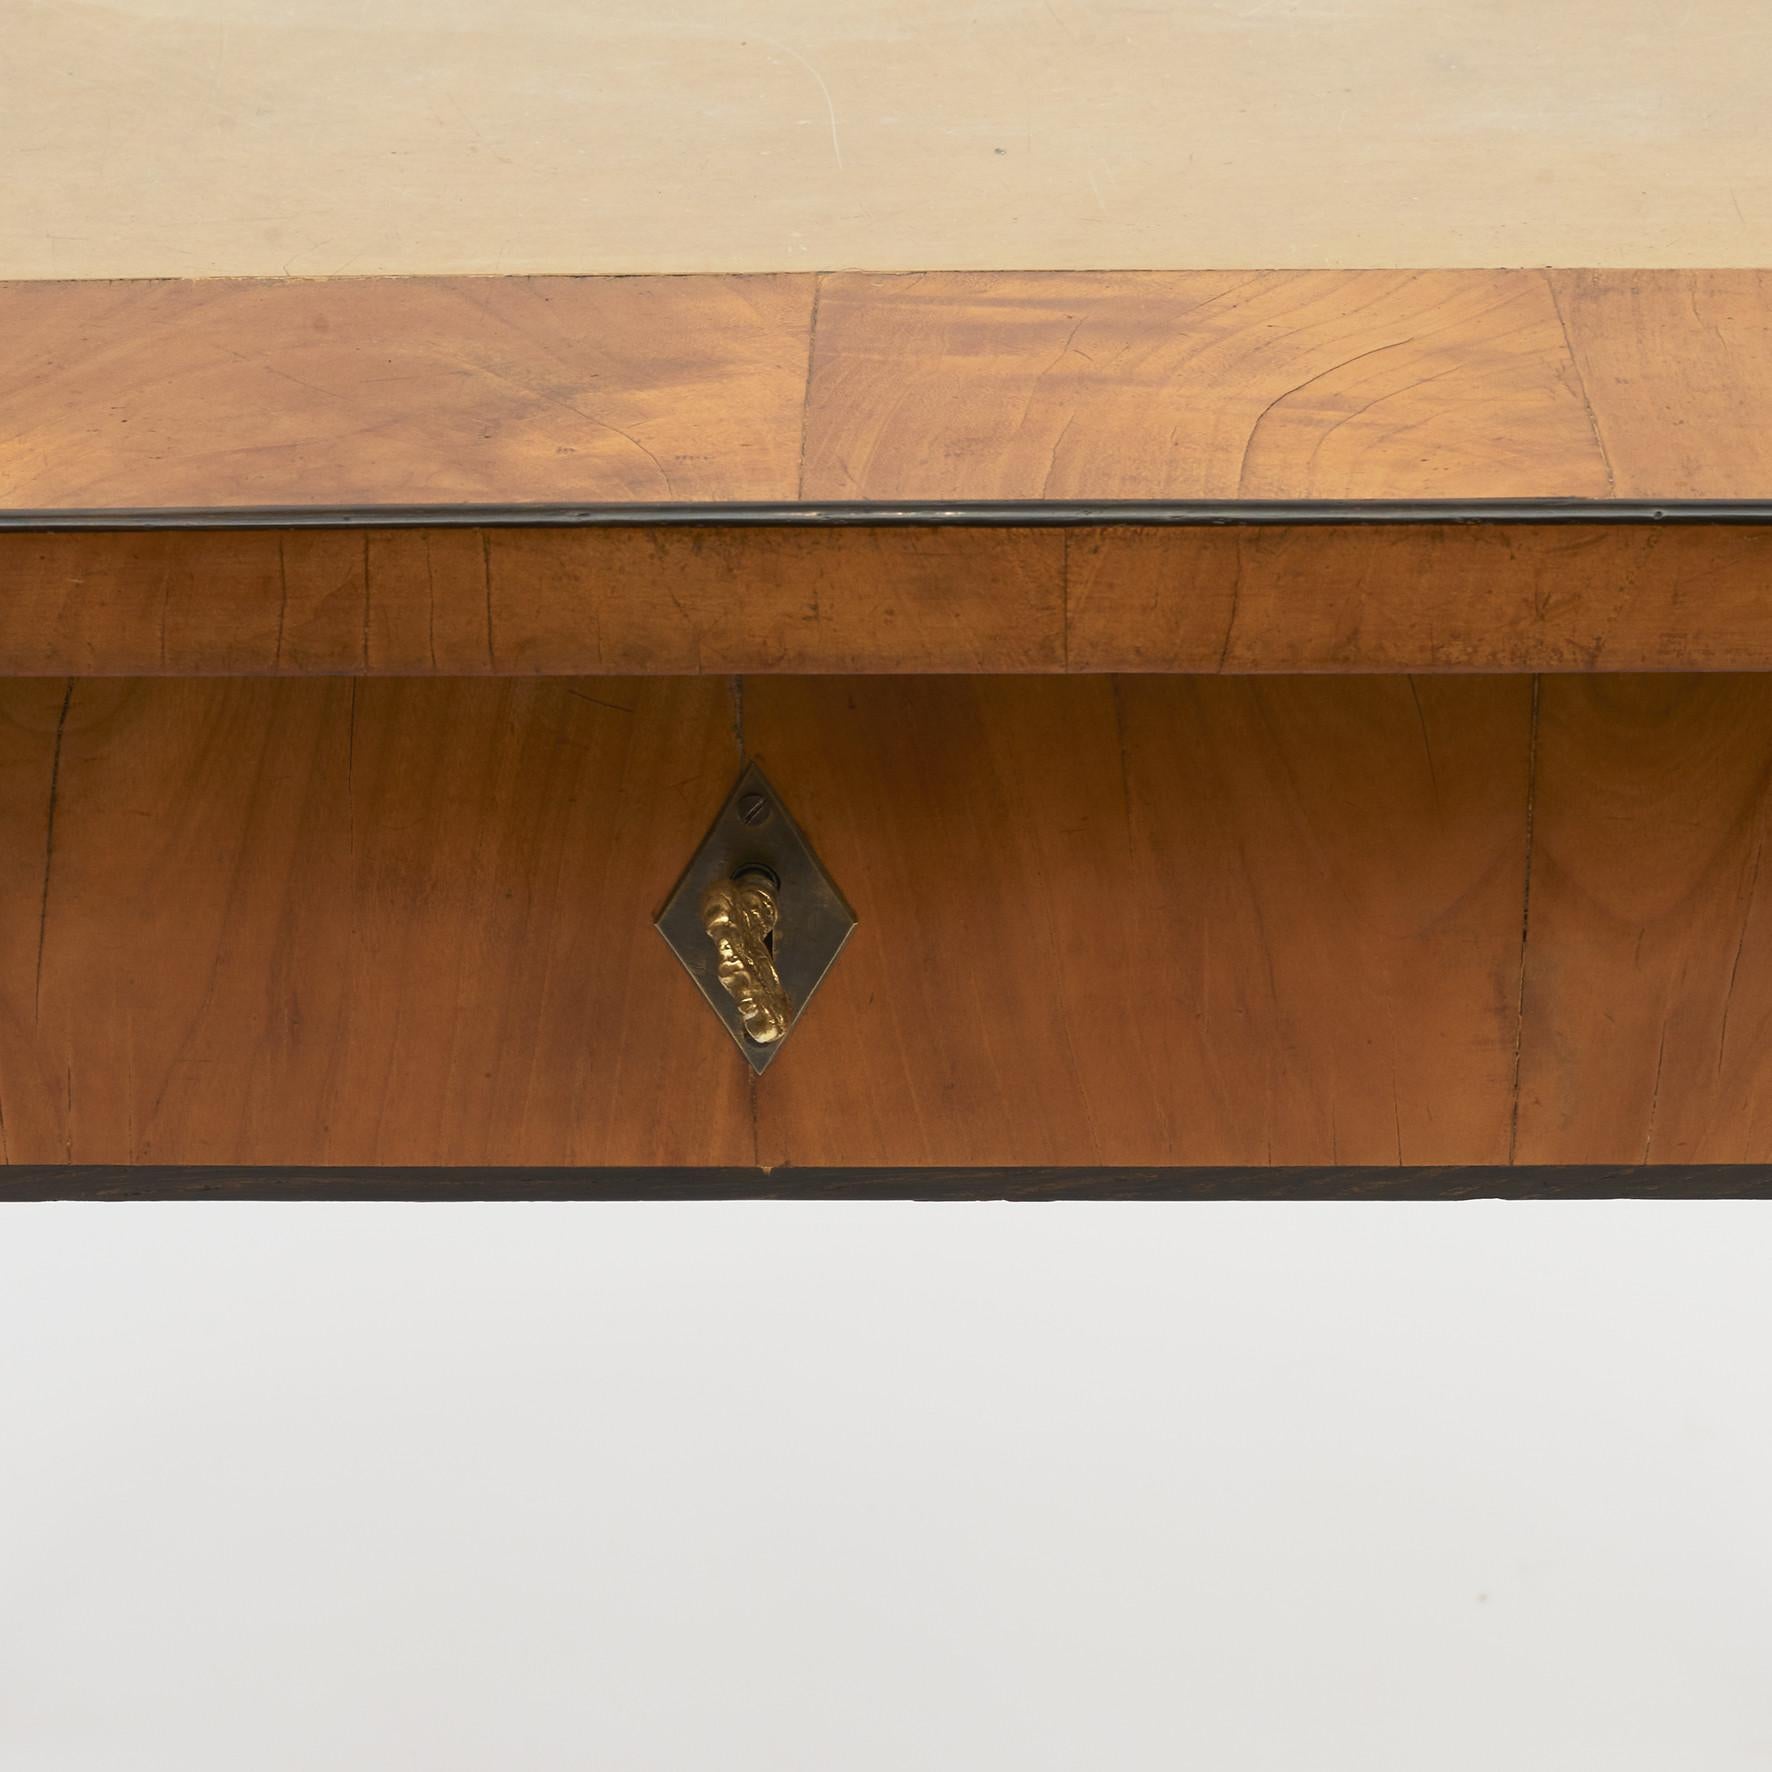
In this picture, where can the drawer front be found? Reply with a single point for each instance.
(1145, 920)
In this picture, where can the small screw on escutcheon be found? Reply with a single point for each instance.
(753, 809)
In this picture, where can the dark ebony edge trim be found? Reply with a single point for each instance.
(1656, 1182)
(1020, 514)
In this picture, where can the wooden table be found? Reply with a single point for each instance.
(1280, 733)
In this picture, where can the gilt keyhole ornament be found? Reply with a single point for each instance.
(756, 920)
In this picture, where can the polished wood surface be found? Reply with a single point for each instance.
(1023, 385)
(1231, 846)
(1647, 1033)
(544, 602)
(1422, 597)
(1156, 919)
(424, 390)
(1678, 370)
(1195, 385)
(1134, 920)
(252, 922)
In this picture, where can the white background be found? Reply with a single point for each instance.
(765, 1487)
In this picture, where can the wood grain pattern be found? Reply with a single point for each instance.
(788, 600)
(1158, 920)
(966, 385)
(1134, 920)
(1678, 368)
(1420, 597)
(1647, 1034)
(645, 601)
(542, 602)
(425, 390)
(341, 922)
(1194, 385)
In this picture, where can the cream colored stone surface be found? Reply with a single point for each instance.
(312, 137)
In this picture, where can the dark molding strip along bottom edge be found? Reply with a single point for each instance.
(1024, 513)
(1716, 1181)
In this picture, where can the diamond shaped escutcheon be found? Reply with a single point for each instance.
(754, 911)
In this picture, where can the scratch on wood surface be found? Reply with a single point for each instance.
(1433, 774)
(1230, 620)
(55, 772)
(1064, 599)
(1747, 907)
(351, 775)
(806, 392)
(1655, 1091)
(598, 702)
(1581, 393)
(430, 602)
(366, 599)
(282, 599)
(486, 573)
(1513, 1136)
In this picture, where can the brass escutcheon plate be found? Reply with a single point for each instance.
(754, 837)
